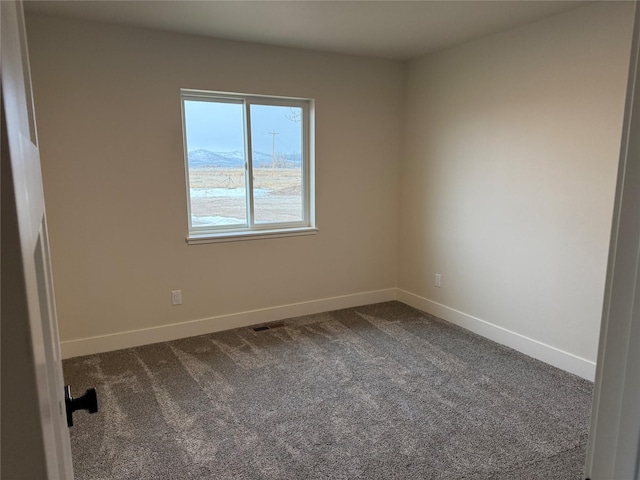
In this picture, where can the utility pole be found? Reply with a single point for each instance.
(273, 133)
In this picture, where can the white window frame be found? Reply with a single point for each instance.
(225, 233)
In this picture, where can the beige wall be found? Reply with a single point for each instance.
(510, 160)
(108, 113)
(504, 183)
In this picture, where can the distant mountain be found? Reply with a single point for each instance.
(205, 158)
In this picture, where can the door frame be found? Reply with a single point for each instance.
(35, 437)
(613, 448)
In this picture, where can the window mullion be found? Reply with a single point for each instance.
(249, 164)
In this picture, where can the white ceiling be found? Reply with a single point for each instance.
(387, 29)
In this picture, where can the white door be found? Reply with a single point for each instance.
(614, 436)
(35, 436)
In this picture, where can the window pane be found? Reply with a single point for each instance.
(216, 157)
(276, 137)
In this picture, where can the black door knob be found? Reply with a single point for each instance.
(88, 401)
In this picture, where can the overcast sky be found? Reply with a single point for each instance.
(218, 127)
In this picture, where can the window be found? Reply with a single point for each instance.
(249, 165)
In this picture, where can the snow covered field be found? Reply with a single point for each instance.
(218, 196)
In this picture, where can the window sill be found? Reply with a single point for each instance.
(197, 239)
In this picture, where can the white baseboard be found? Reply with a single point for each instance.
(546, 353)
(164, 333)
(558, 358)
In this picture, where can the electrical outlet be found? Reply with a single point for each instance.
(438, 281)
(176, 297)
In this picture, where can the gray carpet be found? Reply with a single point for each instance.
(375, 392)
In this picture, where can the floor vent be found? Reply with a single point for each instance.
(271, 326)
